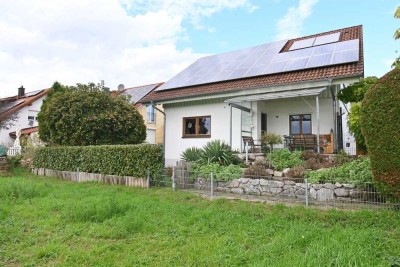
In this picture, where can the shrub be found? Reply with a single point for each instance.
(297, 172)
(257, 170)
(123, 160)
(85, 115)
(357, 172)
(218, 151)
(283, 158)
(342, 158)
(192, 154)
(14, 161)
(221, 173)
(271, 139)
(380, 117)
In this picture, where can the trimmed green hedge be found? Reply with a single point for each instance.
(380, 120)
(123, 160)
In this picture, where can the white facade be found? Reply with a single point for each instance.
(27, 117)
(278, 112)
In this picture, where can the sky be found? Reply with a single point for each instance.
(138, 42)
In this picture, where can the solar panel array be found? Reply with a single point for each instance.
(315, 41)
(262, 60)
(5, 105)
(138, 93)
(33, 93)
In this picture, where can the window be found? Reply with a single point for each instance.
(300, 124)
(151, 114)
(31, 118)
(197, 126)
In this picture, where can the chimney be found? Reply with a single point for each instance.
(21, 91)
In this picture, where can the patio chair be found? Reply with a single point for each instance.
(250, 142)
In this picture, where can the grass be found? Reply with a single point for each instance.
(47, 222)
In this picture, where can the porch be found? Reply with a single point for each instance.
(307, 119)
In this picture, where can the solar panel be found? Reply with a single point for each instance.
(326, 39)
(324, 49)
(302, 44)
(138, 93)
(6, 105)
(264, 59)
(345, 56)
(33, 93)
(320, 60)
(296, 64)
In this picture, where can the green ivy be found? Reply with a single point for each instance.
(123, 160)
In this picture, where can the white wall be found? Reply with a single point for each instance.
(220, 127)
(22, 121)
(220, 121)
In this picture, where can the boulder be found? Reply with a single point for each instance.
(234, 184)
(255, 181)
(325, 194)
(237, 190)
(351, 186)
(285, 171)
(313, 193)
(244, 180)
(275, 184)
(264, 182)
(276, 190)
(278, 174)
(329, 186)
(341, 192)
(317, 186)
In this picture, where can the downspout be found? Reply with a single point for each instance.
(165, 123)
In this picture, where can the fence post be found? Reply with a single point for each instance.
(173, 179)
(247, 152)
(148, 179)
(212, 184)
(306, 181)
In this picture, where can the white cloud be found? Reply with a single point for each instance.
(132, 42)
(291, 24)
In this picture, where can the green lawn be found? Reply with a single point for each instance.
(45, 221)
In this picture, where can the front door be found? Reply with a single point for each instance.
(263, 123)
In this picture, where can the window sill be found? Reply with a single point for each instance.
(196, 136)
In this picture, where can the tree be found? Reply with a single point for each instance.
(354, 94)
(84, 115)
(270, 139)
(380, 117)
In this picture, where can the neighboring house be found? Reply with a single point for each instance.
(288, 87)
(24, 107)
(153, 118)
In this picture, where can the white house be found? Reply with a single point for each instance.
(24, 107)
(287, 87)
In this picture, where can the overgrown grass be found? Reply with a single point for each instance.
(54, 222)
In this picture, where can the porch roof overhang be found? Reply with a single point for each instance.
(276, 95)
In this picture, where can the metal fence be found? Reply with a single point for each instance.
(275, 190)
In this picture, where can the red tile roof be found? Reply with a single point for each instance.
(25, 131)
(355, 69)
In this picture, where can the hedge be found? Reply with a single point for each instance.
(123, 160)
(380, 120)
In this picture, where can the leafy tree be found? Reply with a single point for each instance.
(356, 91)
(86, 114)
(271, 139)
(380, 117)
(354, 94)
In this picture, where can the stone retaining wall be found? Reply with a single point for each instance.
(88, 177)
(283, 188)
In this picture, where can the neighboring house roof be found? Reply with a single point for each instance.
(15, 103)
(25, 131)
(351, 69)
(138, 92)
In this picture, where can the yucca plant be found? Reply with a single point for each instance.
(218, 151)
(192, 154)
